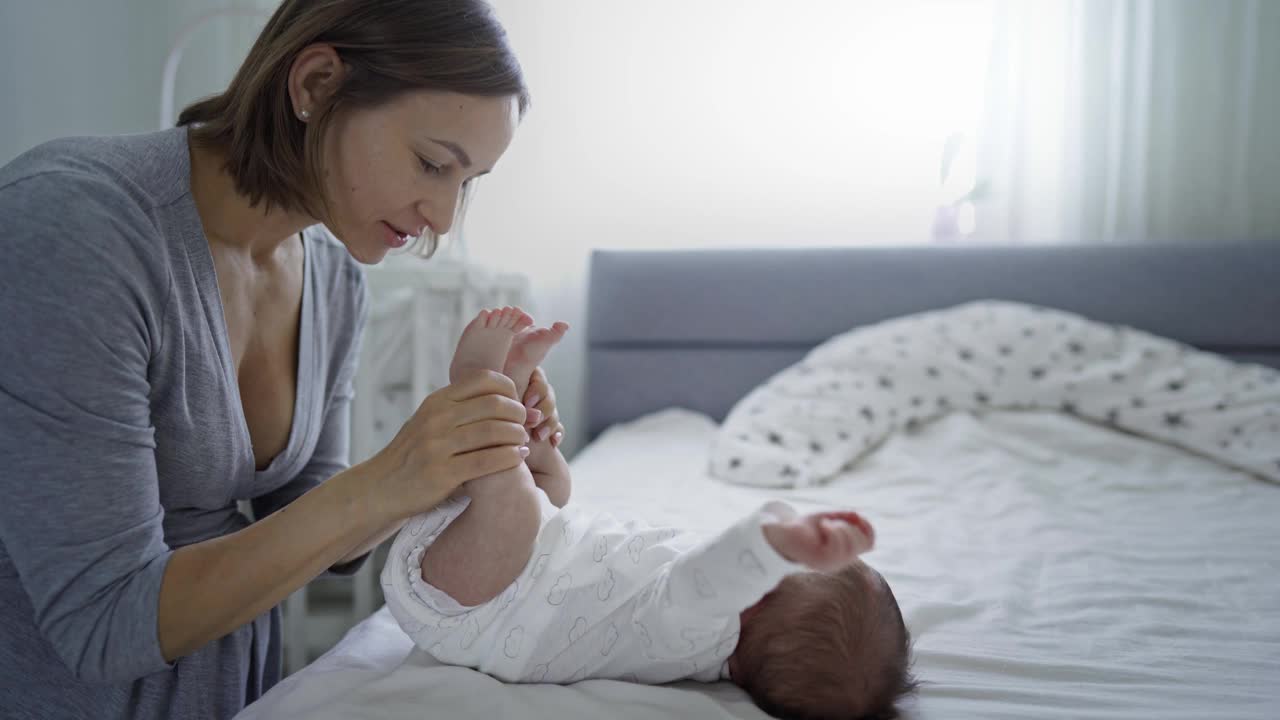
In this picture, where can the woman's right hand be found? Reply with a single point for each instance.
(471, 428)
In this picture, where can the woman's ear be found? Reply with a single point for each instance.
(316, 74)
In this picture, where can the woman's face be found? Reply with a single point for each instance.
(395, 170)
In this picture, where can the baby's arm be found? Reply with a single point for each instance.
(727, 574)
(711, 583)
(825, 542)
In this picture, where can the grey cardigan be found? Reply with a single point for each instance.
(121, 431)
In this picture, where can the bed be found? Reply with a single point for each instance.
(1047, 567)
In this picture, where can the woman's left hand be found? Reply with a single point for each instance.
(542, 397)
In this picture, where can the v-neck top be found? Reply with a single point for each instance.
(203, 264)
(122, 433)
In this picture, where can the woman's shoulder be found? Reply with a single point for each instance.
(81, 211)
(141, 170)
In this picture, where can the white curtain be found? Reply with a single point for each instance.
(1131, 120)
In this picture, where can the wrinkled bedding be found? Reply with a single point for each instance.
(1047, 567)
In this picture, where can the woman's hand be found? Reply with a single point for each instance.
(546, 422)
(469, 429)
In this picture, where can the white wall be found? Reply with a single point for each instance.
(93, 67)
(693, 123)
(661, 123)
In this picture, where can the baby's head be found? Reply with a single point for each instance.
(825, 646)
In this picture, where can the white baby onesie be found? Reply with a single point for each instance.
(599, 598)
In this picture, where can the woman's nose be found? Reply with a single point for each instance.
(439, 211)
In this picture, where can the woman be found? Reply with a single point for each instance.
(180, 332)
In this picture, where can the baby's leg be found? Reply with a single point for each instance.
(484, 549)
(528, 349)
(550, 471)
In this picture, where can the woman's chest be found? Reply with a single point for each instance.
(235, 388)
(262, 308)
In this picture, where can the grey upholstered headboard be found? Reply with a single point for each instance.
(699, 329)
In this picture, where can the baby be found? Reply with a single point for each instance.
(503, 577)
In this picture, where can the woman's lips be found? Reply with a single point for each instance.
(393, 237)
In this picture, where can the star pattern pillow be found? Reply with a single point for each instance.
(819, 417)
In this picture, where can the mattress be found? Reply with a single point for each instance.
(1046, 567)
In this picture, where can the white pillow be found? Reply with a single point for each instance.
(818, 417)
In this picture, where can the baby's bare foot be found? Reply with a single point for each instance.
(529, 347)
(823, 541)
(487, 339)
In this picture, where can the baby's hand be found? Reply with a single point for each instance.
(822, 541)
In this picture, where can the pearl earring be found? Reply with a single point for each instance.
(305, 114)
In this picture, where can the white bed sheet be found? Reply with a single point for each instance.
(1047, 568)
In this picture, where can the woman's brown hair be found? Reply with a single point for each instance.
(389, 47)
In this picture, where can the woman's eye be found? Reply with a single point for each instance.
(428, 167)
